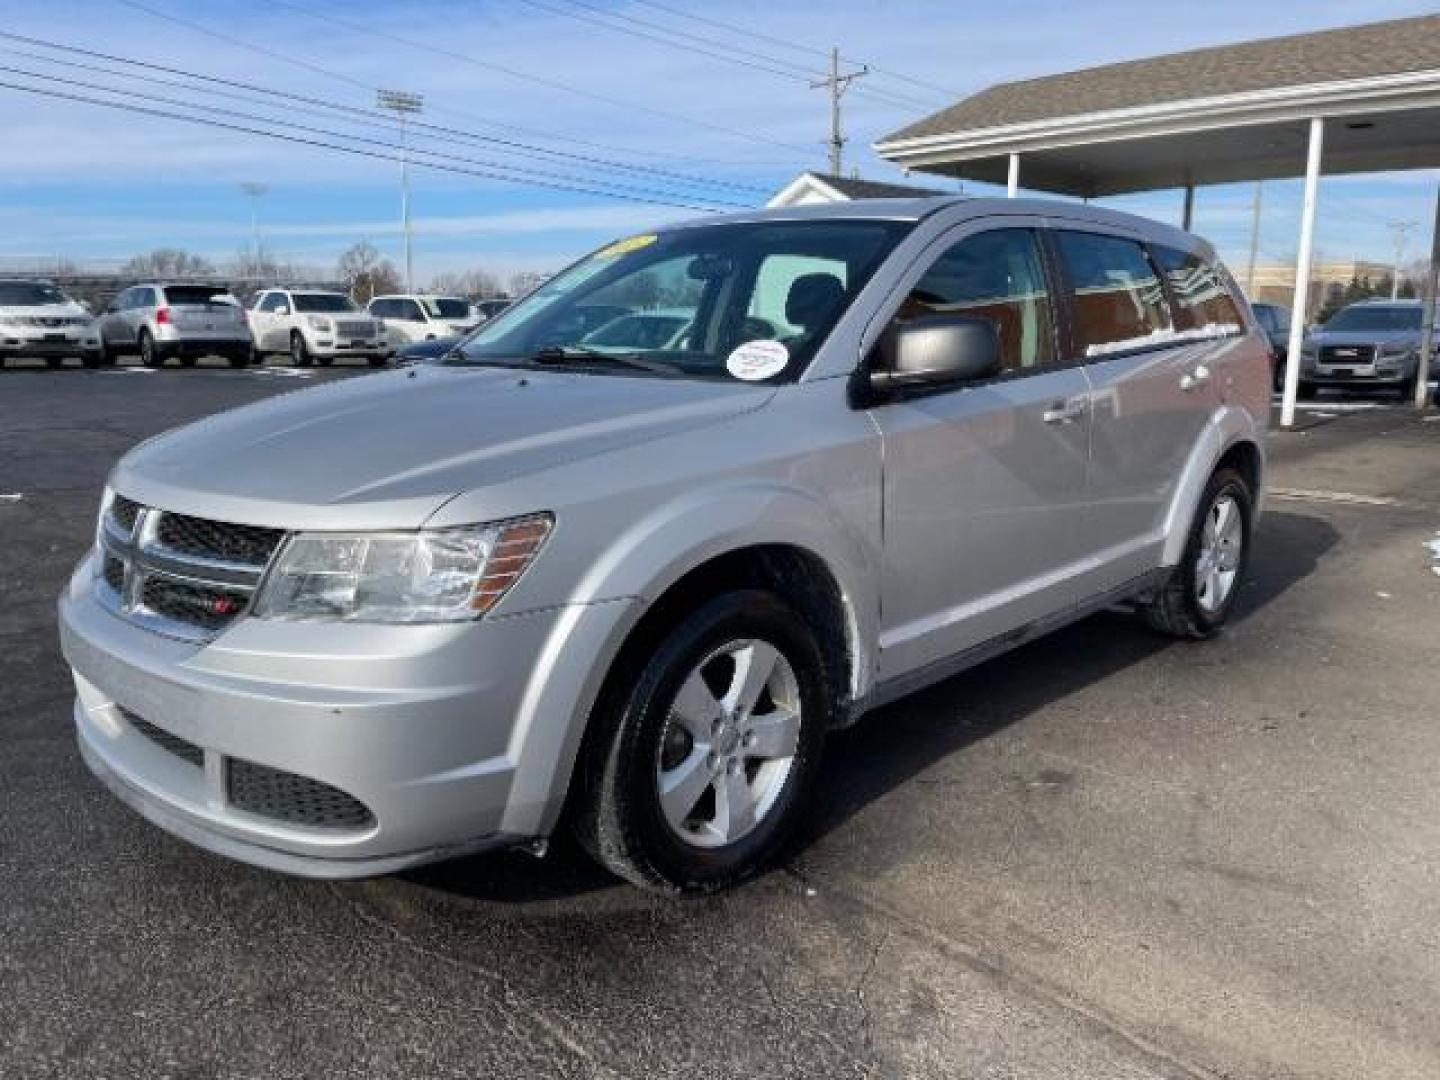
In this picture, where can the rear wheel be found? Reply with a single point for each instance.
(1201, 591)
(54, 361)
(706, 748)
(188, 361)
(324, 361)
(377, 361)
(240, 359)
(1407, 389)
(1307, 391)
(299, 351)
(149, 355)
(92, 359)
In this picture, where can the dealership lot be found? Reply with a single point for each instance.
(1104, 855)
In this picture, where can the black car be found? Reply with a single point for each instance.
(1275, 321)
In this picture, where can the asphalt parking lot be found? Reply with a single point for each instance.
(1105, 855)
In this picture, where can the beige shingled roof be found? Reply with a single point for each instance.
(1353, 52)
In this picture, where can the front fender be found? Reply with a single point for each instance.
(1228, 426)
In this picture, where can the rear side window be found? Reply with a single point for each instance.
(1117, 297)
(409, 310)
(998, 276)
(1202, 299)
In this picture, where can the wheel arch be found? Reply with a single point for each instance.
(1231, 438)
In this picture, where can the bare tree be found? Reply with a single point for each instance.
(367, 273)
(526, 281)
(167, 263)
(474, 284)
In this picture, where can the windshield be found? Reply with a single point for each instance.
(29, 294)
(332, 302)
(687, 299)
(1376, 318)
(445, 307)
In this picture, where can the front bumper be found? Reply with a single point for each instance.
(202, 346)
(1371, 374)
(327, 346)
(419, 724)
(14, 344)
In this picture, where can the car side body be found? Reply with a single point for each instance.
(915, 532)
(420, 316)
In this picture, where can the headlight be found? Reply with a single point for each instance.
(1396, 351)
(442, 575)
(319, 323)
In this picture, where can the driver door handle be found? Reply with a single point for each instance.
(1062, 412)
(1196, 377)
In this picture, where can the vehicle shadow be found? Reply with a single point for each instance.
(890, 746)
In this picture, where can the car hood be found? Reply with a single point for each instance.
(45, 311)
(387, 450)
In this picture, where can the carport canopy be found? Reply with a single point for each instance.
(1357, 99)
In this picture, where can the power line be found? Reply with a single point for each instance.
(527, 76)
(305, 103)
(950, 95)
(502, 173)
(749, 58)
(338, 76)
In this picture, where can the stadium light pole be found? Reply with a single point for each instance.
(403, 104)
(255, 190)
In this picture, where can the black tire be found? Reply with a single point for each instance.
(618, 817)
(1176, 609)
(1407, 389)
(53, 362)
(377, 361)
(299, 351)
(107, 355)
(91, 360)
(1307, 391)
(149, 355)
(324, 361)
(189, 361)
(240, 359)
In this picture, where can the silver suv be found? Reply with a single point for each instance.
(1373, 344)
(442, 609)
(183, 321)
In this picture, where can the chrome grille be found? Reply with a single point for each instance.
(182, 576)
(1347, 354)
(354, 328)
(285, 796)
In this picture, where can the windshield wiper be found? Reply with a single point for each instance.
(564, 354)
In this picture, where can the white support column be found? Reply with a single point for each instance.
(1427, 319)
(1187, 215)
(1012, 182)
(1302, 274)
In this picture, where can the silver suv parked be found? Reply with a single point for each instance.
(444, 608)
(186, 322)
(1373, 344)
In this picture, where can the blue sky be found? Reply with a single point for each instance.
(89, 183)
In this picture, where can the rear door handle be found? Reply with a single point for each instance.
(1062, 412)
(1196, 377)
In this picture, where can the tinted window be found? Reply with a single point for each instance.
(381, 309)
(408, 309)
(29, 294)
(1377, 317)
(334, 303)
(273, 302)
(195, 294)
(445, 307)
(1118, 301)
(998, 276)
(1202, 299)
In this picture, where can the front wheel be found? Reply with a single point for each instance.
(705, 749)
(1200, 594)
(299, 351)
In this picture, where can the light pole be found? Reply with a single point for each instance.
(403, 104)
(254, 189)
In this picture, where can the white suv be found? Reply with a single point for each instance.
(423, 318)
(315, 327)
(37, 319)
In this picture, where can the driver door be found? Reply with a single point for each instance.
(984, 483)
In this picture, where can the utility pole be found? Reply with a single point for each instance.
(1254, 237)
(837, 84)
(1399, 232)
(403, 104)
(255, 190)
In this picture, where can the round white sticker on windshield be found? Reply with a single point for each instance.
(756, 360)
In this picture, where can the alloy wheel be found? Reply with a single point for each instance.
(1222, 540)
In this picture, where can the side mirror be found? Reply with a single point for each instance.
(282, 310)
(933, 351)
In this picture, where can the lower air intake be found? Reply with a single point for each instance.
(296, 800)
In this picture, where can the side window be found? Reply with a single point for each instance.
(1202, 300)
(274, 302)
(409, 309)
(380, 309)
(1117, 298)
(122, 301)
(145, 298)
(998, 276)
